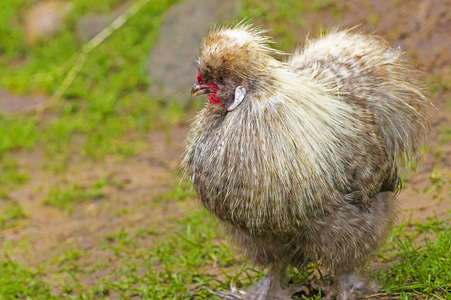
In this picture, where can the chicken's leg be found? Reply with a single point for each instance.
(272, 287)
(350, 286)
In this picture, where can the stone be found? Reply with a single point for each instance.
(171, 65)
(44, 19)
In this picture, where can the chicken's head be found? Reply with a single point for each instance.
(232, 63)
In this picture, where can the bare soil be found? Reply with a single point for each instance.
(421, 28)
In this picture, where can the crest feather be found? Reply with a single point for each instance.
(241, 48)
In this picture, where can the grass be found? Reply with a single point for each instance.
(20, 283)
(175, 268)
(67, 195)
(192, 261)
(11, 212)
(282, 15)
(285, 18)
(105, 111)
(10, 173)
(420, 261)
(111, 88)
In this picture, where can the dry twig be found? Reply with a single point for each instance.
(86, 49)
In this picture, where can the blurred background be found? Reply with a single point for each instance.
(94, 106)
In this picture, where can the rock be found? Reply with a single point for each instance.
(171, 66)
(44, 19)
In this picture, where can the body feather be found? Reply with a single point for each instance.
(305, 168)
(329, 124)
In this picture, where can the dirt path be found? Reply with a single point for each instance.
(130, 206)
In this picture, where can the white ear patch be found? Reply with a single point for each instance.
(240, 93)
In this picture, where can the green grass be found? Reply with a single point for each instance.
(10, 173)
(171, 269)
(420, 261)
(107, 100)
(438, 183)
(187, 259)
(11, 213)
(66, 195)
(20, 283)
(105, 111)
(192, 260)
(285, 18)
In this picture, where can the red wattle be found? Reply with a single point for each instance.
(213, 99)
(213, 88)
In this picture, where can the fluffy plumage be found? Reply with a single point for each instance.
(304, 169)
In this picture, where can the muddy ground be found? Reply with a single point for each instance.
(421, 28)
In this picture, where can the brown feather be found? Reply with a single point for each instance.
(305, 168)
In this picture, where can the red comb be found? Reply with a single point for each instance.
(199, 77)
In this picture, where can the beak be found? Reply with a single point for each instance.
(198, 89)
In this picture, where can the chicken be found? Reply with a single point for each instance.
(299, 159)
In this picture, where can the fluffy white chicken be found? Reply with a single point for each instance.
(298, 159)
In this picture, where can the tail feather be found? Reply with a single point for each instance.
(373, 77)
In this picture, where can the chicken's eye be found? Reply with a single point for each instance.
(219, 82)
